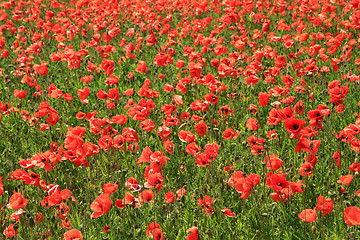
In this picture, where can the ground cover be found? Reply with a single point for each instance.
(179, 119)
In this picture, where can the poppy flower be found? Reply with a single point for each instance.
(276, 181)
(86, 79)
(228, 134)
(169, 197)
(128, 199)
(107, 66)
(325, 205)
(252, 124)
(228, 212)
(10, 231)
(293, 125)
(206, 204)
(73, 234)
(109, 188)
(346, 180)
(83, 93)
(17, 201)
(299, 107)
(352, 216)
(307, 145)
(169, 146)
(101, 205)
(68, 97)
(195, 69)
(181, 192)
(41, 69)
(1, 187)
(336, 157)
(186, 136)
(119, 203)
(355, 167)
(66, 224)
(129, 92)
(193, 149)
(194, 233)
(308, 215)
(306, 169)
(155, 180)
(271, 134)
(147, 125)
(201, 128)
(141, 68)
(43, 127)
(150, 230)
(146, 196)
(264, 99)
(19, 93)
(273, 162)
(106, 228)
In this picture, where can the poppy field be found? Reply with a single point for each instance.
(191, 120)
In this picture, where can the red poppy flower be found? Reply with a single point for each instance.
(101, 205)
(129, 92)
(129, 198)
(336, 157)
(107, 66)
(19, 93)
(141, 68)
(10, 231)
(252, 124)
(17, 201)
(228, 134)
(193, 149)
(307, 145)
(106, 228)
(308, 215)
(147, 125)
(146, 196)
(194, 233)
(299, 107)
(228, 212)
(276, 181)
(346, 180)
(186, 136)
(180, 64)
(68, 97)
(87, 79)
(155, 180)
(264, 99)
(119, 203)
(109, 188)
(105, 142)
(206, 204)
(325, 205)
(180, 192)
(273, 162)
(195, 69)
(73, 234)
(306, 169)
(293, 125)
(154, 231)
(169, 197)
(201, 128)
(1, 187)
(41, 69)
(352, 216)
(83, 93)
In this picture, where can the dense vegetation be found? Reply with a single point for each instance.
(179, 119)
